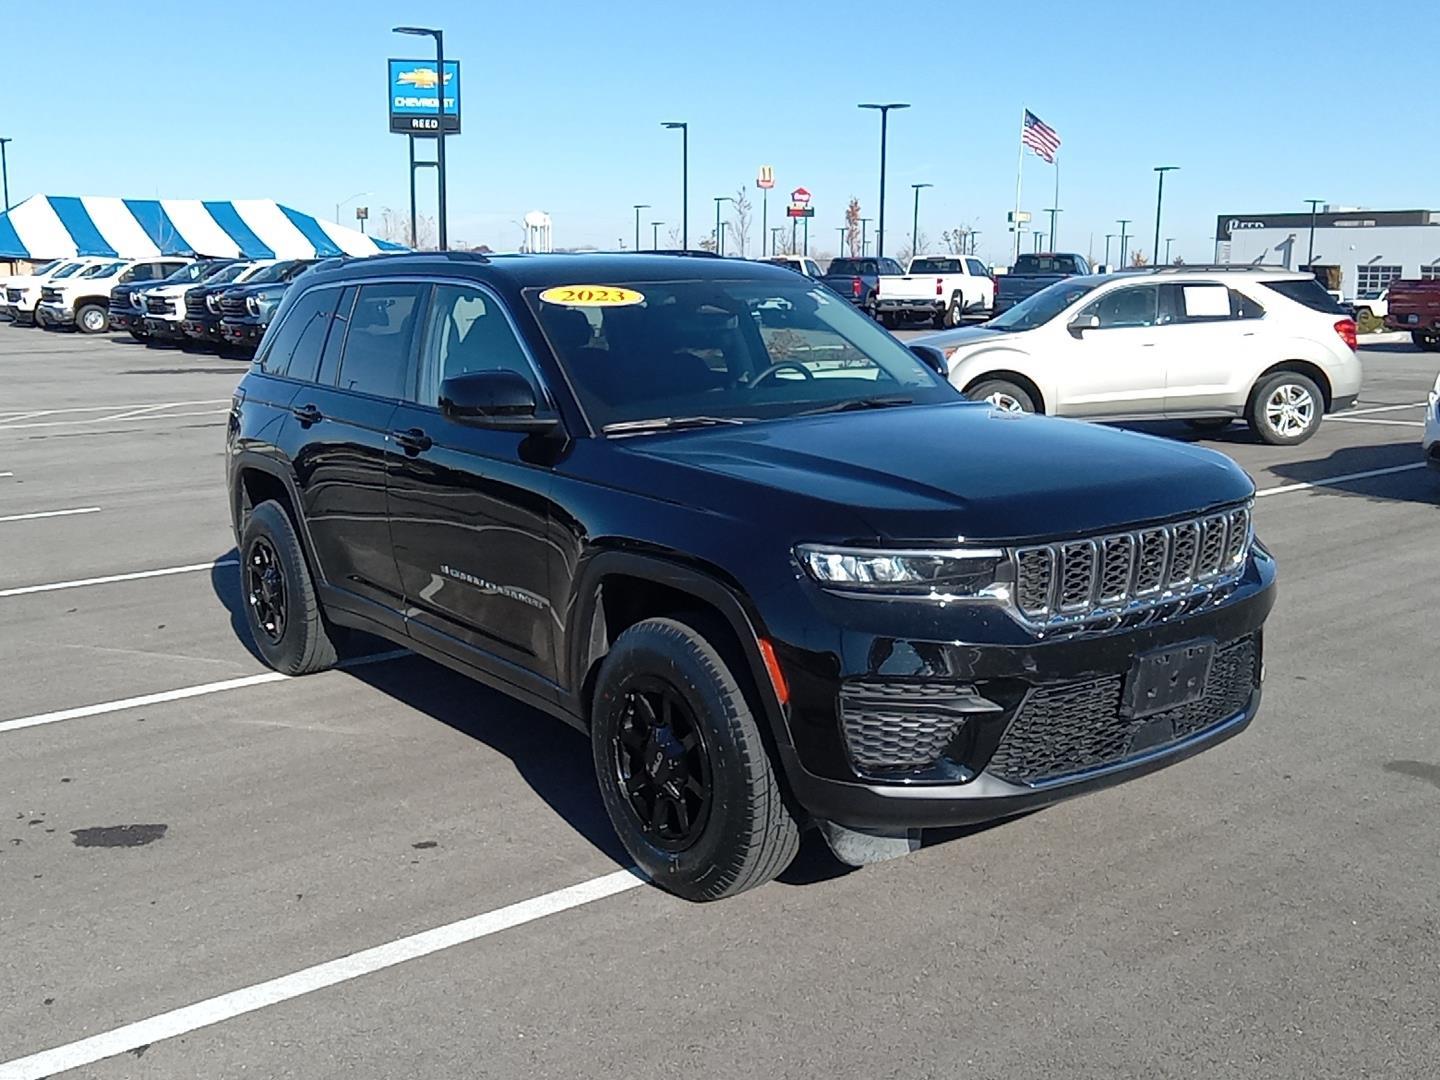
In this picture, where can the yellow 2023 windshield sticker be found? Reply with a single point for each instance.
(592, 296)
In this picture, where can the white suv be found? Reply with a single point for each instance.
(1205, 346)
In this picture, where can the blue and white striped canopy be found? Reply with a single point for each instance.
(59, 226)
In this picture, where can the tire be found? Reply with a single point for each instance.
(740, 834)
(1428, 342)
(298, 642)
(92, 319)
(1210, 424)
(1002, 394)
(138, 336)
(1285, 409)
(955, 313)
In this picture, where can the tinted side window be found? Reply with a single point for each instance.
(376, 359)
(1309, 292)
(467, 331)
(294, 347)
(1137, 305)
(976, 267)
(330, 359)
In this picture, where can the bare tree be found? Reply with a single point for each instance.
(905, 254)
(1179, 260)
(1137, 258)
(956, 240)
(672, 238)
(707, 242)
(744, 213)
(852, 227)
(396, 228)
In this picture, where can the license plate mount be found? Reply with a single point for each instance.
(1168, 678)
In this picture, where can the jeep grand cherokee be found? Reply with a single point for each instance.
(779, 570)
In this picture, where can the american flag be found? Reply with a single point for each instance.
(1040, 137)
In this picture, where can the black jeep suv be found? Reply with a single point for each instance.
(773, 563)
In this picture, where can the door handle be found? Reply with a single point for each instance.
(307, 414)
(412, 439)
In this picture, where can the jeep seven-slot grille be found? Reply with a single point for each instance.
(1073, 727)
(1078, 579)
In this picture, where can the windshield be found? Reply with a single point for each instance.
(226, 274)
(1045, 264)
(851, 266)
(279, 271)
(1039, 308)
(69, 270)
(45, 268)
(109, 269)
(732, 350)
(937, 266)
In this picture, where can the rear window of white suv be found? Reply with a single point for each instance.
(1307, 291)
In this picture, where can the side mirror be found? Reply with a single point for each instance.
(1081, 323)
(502, 400)
(932, 358)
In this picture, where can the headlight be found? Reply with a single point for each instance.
(961, 573)
(136, 299)
(252, 305)
(213, 303)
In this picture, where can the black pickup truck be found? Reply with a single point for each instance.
(1031, 273)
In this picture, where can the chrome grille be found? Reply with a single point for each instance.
(1076, 580)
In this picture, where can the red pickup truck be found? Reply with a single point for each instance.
(1415, 306)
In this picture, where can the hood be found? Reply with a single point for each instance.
(963, 335)
(965, 471)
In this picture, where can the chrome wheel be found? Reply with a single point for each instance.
(1290, 410)
(92, 320)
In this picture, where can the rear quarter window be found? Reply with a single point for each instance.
(1307, 292)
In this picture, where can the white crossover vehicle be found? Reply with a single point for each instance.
(1431, 441)
(1206, 346)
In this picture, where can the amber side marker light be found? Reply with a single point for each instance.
(772, 667)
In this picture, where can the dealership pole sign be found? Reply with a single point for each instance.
(414, 97)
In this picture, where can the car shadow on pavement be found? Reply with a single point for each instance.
(1419, 484)
(225, 583)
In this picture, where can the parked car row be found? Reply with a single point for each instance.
(224, 303)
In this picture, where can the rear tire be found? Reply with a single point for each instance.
(281, 608)
(1285, 409)
(955, 314)
(669, 718)
(92, 319)
(1005, 396)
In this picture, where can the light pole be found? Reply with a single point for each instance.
(865, 236)
(347, 202)
(884, 122)
(1108, 237)
(775, 231)
(5, 172)
(638, 207)
(719, 233)
(1124, 259)
(1039, 238)
(439, 36)
(655, 235)
(1052, 211)
(844, 231)
(684, 127)
(1160, 170)
(915, 221)
(1315, 204)
(1168, 241)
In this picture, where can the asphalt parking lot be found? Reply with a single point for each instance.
(207, 869)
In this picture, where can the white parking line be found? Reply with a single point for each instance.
(103, 419)
(1373, 420)
(25, 590)
(1331, 481)
(183, 692)
(51, 513)
(7, 474)
(306, 981)
(12, 416)
(1382, 408)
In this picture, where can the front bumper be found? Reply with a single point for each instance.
(159, 327)
(976, 778)
(243, 334)
(54, 315)
(201, 329)
(127, 319)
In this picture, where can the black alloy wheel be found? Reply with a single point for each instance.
(662, 764)
(265, 588)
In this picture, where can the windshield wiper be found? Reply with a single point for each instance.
(859, 403)
(670, 423)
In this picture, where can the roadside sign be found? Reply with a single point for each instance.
(1021, 216)
(799, 210)
(766, 179)
(414, 89)
(800, 195)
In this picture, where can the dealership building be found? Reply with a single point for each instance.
(1369, 248)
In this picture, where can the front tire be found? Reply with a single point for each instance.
(92, 319)
(683, 770)
(281, 608)
(1005, 396)
(1428, 342)
(1286, 409)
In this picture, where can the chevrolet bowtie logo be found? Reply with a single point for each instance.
(422, 78)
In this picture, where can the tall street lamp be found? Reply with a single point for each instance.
(638, 207)
(684, 179)
(1108, 237)
(775, 231)
(439, 36)
(884, 121)
(865, 236)
(1052, 211)
(844, 231)
(1315, 204)
(5, 172)
(719, 233)
(655, 235)
(1168, 241)
(1124, 259)
(915, 221)
(1161, 170)
(346, 202)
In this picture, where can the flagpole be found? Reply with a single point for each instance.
(1019, 172)
(1054, 246)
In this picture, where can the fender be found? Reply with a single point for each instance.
(998, 357)
(704, 584)
(243, 460)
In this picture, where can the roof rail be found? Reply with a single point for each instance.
(696, 252)
(1238, 268)
(466, 256)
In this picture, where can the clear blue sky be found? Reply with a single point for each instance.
(1262, 104)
